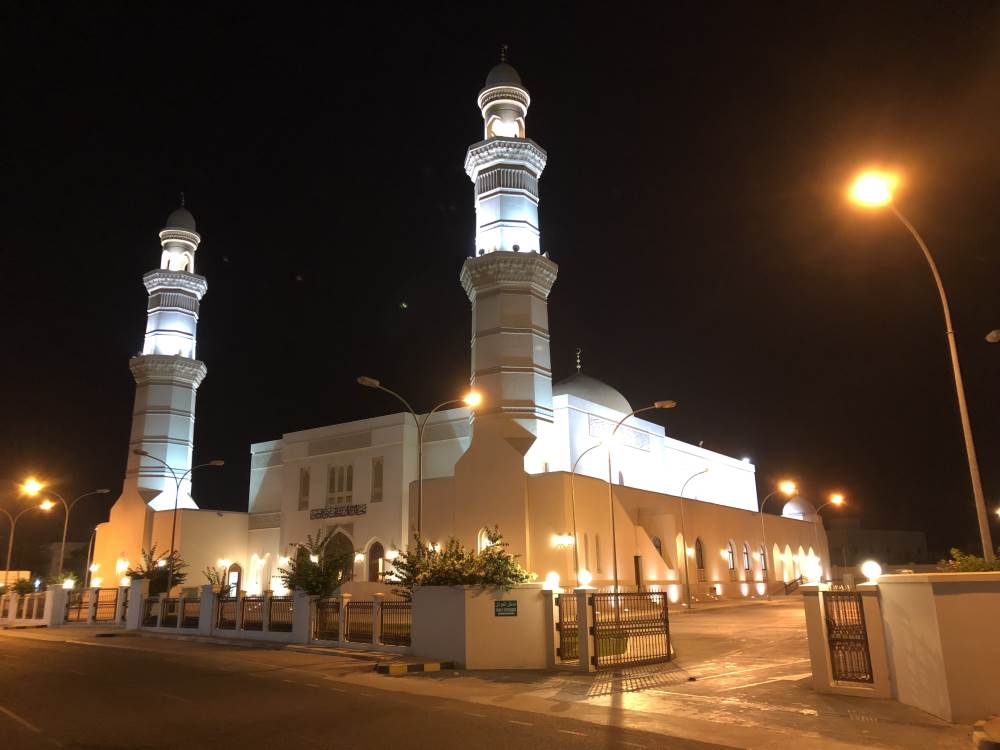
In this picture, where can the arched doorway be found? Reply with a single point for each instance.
(341, 546)
(234, 579)
(375, 554)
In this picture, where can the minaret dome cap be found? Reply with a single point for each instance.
(181, 218)
(503, 74)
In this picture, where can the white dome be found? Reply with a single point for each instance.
(592, 390)
(798, 508)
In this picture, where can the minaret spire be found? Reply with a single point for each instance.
(503, 53)
(578, 351)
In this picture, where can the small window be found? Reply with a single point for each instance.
(340, 485)
(763, 559)
(658, 544)
(746, 556)
(304, 488)
(699, 559)
(730, 556)
(597, 550)
(376, 553)
(377, 473)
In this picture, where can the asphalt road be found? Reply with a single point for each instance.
(123, 692)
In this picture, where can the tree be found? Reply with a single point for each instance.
(453, 565)
(157, 570)
(216, 578)
(23, 586)
(317, 567)
(962, 563)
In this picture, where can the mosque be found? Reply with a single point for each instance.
(583, 489)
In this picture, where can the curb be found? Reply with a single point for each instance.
(397, 669)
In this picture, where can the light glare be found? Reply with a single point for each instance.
(32, 487)
(873, 189)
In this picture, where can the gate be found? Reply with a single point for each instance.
(107, 605)
(568, 628)
(77, 605)
(227, 614)
(847, 637)
(326, 625)
(253, 613)
(396, 623)
(630, 629)
(359, 622)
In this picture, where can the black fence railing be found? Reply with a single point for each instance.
(396, 619)
(4, 607)
(107, 605)
(847, 637)
(150, 612)
(630, 629)
(280, 614)
(77, 606)
(171, 609)
(359, 622)
(253, 613)
(227, 614)
(568, 627)
(326, 622)
(191, 616)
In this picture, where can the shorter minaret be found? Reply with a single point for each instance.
(167, 375)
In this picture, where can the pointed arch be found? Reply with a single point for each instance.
(699, 558)
(376, 561)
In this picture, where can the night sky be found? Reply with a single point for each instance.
(694, 201)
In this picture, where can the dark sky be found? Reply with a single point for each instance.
(698, 157)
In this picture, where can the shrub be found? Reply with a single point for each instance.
(22, 587)
(453, 565)
(322, 577)
(963, 563)
(156, 573)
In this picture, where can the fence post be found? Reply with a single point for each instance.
(585, 625)
(120, 604)
(206, 611)
(549, 597)
(345, 599)
(377, 618)
(817, 636)
(265, 612)
(12, 612)
(137, 596)
(92, 605)
(55, 606)
(878, 652)
(239, 611)
(302, 609)
(163, 606)
(180, 609)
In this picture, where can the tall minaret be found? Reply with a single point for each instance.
(167, 375)
(508, 279)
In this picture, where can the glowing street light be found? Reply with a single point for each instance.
(874, 189)
(473, 400)
(789, 489)
(687, 567)
(44, 506)
(32, 487)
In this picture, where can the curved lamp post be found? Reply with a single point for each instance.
(33, 487)
(611, 486)
(572, 493)
(177, 495)
(45, 505)
(471, 399)
(787, 488)
(684, 543)
(875, 190)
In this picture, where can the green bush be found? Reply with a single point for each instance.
(158, 569)
(963, 563)
(453, 565)
(322, 577)
(22, 587)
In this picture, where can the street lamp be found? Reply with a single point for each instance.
(684, 543)
(611, 493)
(472, 399)
(572, 494)
(33, 487)
(875, 190)
(788, 488)
(177, 495)
(837, 500)
(45, 506)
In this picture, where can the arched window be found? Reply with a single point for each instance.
(341, 546)
(699, 559)
(658, 544)
(763, 561)
(746, 556)
(483, 539)
(376, 553)
(731, 560)
(234, 579)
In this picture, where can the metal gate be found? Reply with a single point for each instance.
(107, 605)
(568, 628)
(326, 622)
(359, 622)
(847, 637)
(77, 605)
(630, 629)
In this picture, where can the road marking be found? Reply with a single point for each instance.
(570, 731)
(337, 690)
(750, 669)
(765, 682)
(478, 716)
(522, 723)
(23, 722)
(177, 697)
(631, 744)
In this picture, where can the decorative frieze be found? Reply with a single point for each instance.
(162, 280)
(337, 511)
(146, 367)
(522, 151)
(505, 268)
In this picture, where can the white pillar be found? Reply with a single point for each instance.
(265, 614)
(92, 605)
(302, 609)
(206, 612)
(345, 599)
(585, 629)
(550, 628)
(377, 618)
(55, 606)
(120, 603)
(137, 595)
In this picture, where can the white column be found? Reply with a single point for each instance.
(302, 614)
(585, 625)
(206, 614)
(345, 599)
(137, 595)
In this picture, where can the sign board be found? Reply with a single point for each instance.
(505, 608)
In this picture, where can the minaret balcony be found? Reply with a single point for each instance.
(522, 152)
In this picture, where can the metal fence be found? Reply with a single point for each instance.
(227, 614)
(150, 612)
(34, 606)
(280, 614)
(326, 623)
(4, 607)
(171, 609)
(847, 637)
(253, 613)
(568, 627)
(107, 605)
(630, 629)
(359, 622)
(77, 606)
(19, 609)
(191, 615)
(125, 604)
(395, 624)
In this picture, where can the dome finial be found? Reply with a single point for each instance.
(182, 199)
(503, 53)
(578, 358)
